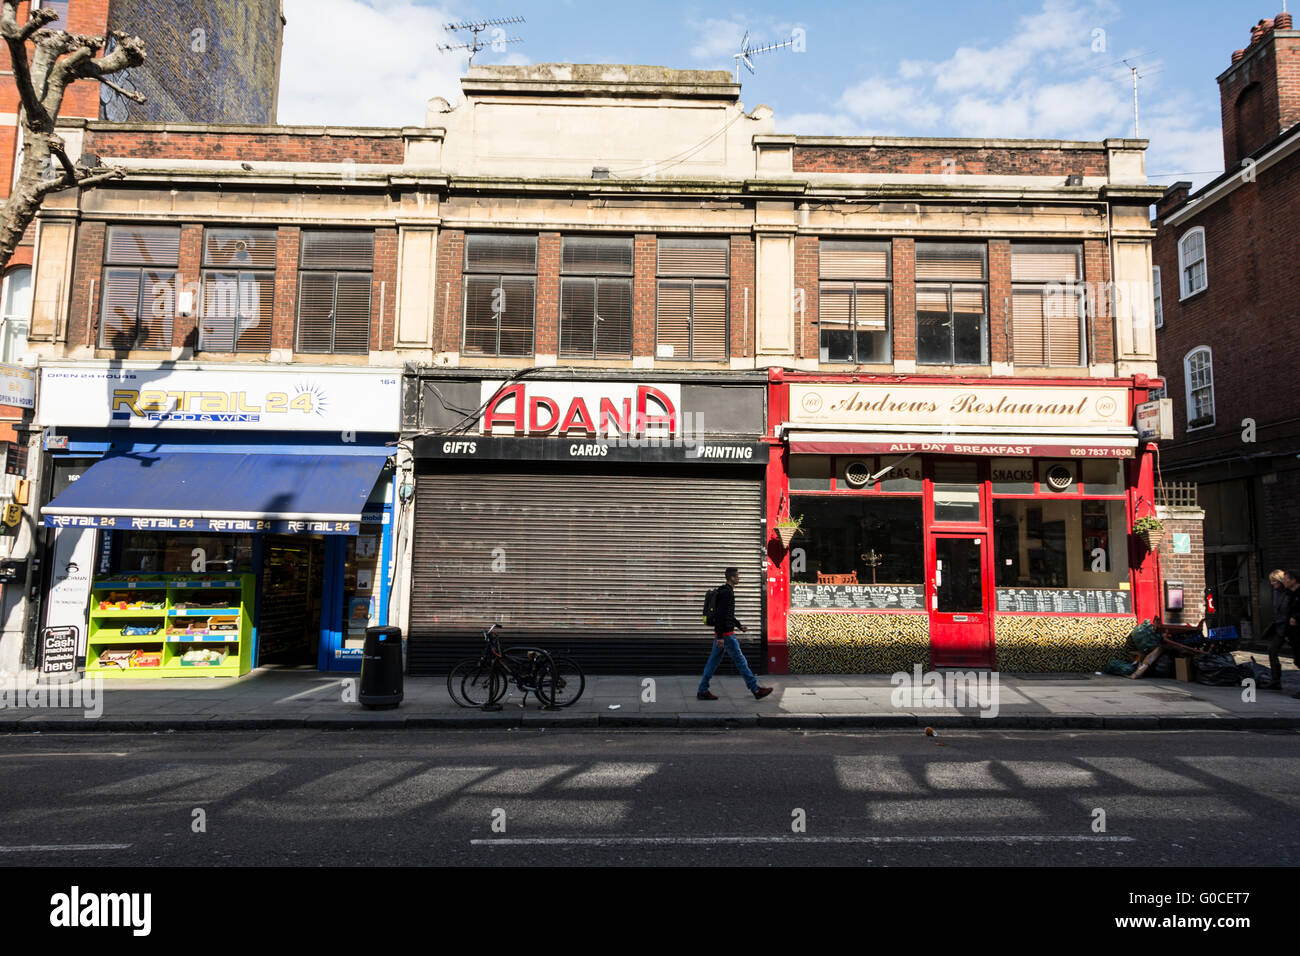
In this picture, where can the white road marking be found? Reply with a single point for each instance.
(55, 848)
(98, 753)
(738, 840)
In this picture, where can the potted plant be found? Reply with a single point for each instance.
(1151, 530)
(787, 528)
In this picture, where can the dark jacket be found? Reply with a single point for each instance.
(1282, 600)
(1293, 630)
(724, 611)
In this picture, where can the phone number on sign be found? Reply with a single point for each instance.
(1101, 453)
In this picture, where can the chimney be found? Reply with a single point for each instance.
(1174, 197)
(1259, 94)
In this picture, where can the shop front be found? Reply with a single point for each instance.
(587, 516)
(209, 519)
(965, 524)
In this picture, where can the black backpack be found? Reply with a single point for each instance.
(710, 605)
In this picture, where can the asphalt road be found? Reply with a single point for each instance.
(658, 798)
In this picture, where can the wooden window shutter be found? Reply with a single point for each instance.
(596, 255)
(480, 317)
(338, 250)
(614, 318)
(121, 307)
(243, 249)
(673, 319)
(872, 307)
(854, 260)
(143, 245)
(955, 261)
(352, 314)
(1029, 342)
(315, 312)
(517, 316)
(1044, 264)
(835, 304)
(709, 322)
(577, 317)
(693, 257)
(501, 253)
(1064, 334)
(157, 308)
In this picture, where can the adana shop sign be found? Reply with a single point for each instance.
(979, 406)
(236, 397)
(578, 409)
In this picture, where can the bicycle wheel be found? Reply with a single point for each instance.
(483, 684)
(562, 684)
(454, 678)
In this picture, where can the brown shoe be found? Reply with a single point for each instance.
(762, 692)
(705, 695)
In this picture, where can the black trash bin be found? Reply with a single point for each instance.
(381, 668)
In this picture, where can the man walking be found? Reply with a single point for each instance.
(724, 630)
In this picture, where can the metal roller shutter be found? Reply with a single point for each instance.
(606, 566)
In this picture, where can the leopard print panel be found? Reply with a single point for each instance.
(1032, 643)
(857, 643)
(820, 643)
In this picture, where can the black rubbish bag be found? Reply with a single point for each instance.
(1163, 667)
(1219, 670)
(1260, 673)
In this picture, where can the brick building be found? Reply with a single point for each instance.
(636, 329)
(1228, 289)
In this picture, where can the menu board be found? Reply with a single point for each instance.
(1064, 601)
(858, 597)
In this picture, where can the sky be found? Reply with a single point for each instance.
(1050, 69)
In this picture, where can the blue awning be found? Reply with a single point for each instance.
(296, 494)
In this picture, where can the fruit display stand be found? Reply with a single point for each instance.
(171, 625)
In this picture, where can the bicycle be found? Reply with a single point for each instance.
(557, 681)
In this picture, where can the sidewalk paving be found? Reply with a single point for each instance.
(275, 698)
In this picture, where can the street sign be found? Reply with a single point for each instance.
(17, 386)
(1155, 420)
(59, 650)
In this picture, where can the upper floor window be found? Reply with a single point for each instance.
(1198, 373)
(16, 313)
(238, 290)
(1191, 263)
(139, 298)
(500, 294)
(952, 303)
(691, 307)
(335, 273)
(1047, 313)
(1158, 296)
(854, 302)
(596, 297)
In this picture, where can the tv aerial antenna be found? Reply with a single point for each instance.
(746, 51)
(477, 27)
(1139, 72)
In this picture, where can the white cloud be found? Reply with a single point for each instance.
(877, 101)
(716, 39)
(382, 75)
(818, 124)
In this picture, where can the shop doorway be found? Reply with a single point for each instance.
(293, 575)
(959, 597)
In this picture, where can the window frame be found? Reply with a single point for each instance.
(1041, 288)
(470, 273)
(855, 284)
(334, 272)
(597, 278)
(1189, 391)
(694, 280)
(1157, 297)
(209, 271)
(949, 287)
(109, 264)
(1184, 263)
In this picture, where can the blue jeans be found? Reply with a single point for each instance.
(732, 647)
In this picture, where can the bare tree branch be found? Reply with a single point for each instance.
(135, 95)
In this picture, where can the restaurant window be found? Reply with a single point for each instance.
(1047, 305)
(334, 292)
(1198, 373)
(691, 306)
(596, 297)
(854, 302)
(1060, 543)
(952, 303)
(238, 290)
(859, 539)
(140, 279)
(500, 294)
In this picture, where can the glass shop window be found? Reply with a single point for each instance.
(151, 553)
(361, 571)
(1060, 543)
(859, 540)
(956, 491)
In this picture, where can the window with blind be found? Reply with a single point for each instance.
(952, 303)
(1191, 263)
(139, 287)
(1047, 306)
(691, 310)
(595, 303)
(500, 294)
(335, 274)
(1198, 374)
(238, 290)
(853, 310)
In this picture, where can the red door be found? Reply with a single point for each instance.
(958, 594)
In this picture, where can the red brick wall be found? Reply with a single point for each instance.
(807, 275)
(87, 270)
(999, 299)
(189, 270)
(742, 296)
(450, 289)
(546, 337)
(1096, 271)
(904, 271)
(286, 287)
(937, 160)
(244, 147)
(1187, 568)
(383, 295)
(644, 266)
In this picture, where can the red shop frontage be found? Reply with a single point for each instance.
(956, 522)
